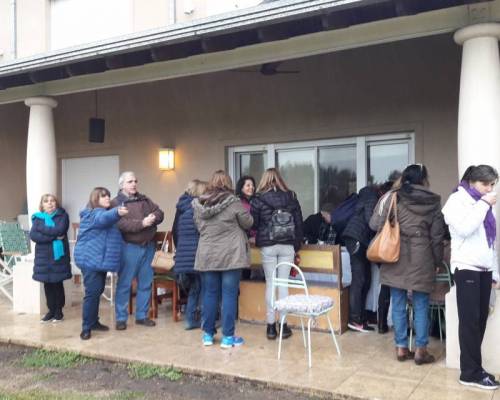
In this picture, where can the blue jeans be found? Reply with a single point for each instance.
(215, 284)
(94, 282)
(420, 300)
(136, 263)
(193, 299)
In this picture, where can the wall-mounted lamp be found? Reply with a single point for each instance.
(166, 158)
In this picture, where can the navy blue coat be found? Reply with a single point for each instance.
(99, 244)
(357, 228)
(46, 268)
(186, 236)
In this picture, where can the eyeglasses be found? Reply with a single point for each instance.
(132, 181)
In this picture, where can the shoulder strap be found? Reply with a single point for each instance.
(266, 203)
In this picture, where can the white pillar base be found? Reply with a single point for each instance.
(490, 348)
(29, 296)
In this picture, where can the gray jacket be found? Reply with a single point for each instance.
(223, 241)
(422, 234)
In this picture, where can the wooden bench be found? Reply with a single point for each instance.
(314, 258)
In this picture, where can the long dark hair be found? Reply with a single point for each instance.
(414, 174)
(482, 173)
(241, 182)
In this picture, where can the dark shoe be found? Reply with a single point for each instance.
(383, 329)
(403, 354)
(423, 357)
(368, 328)
(47, 317)
(271, 332)
(85, 335)
(485, 383)
(491, 376)
(58, 316)
(100, 327)
(192, 325)
(121, 325)
(287, 332)
(145, 322)
(358, 327)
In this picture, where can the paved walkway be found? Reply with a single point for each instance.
(367, 368)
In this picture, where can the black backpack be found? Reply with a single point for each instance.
(282, 225)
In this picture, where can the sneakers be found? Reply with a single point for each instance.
(365, 328)
(231, 341)
(100, 327)
(485, 383)
(58, 316)
(145, 322)
(121, 325)
(85, 335)
(47, 317)
(208, 340)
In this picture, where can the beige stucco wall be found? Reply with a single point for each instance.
(403, 86)
(5, 30)
(149, 14)
(32, 27)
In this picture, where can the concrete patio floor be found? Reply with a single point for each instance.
(367, 368)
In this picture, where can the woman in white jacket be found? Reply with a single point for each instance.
(469, 214)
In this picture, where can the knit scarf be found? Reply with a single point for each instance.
(489, 221)
(57, 244)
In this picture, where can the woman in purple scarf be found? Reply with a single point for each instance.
(469, 214)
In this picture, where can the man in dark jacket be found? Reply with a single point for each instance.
(357, 235)
(138, 229)
(318, 227)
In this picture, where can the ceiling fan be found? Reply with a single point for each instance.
(268, 69)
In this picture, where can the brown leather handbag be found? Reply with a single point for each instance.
(385, 246)
(164, 258)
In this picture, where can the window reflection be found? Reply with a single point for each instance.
(385, 158)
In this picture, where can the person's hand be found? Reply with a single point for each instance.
(495, 285)
(490, 198)
(148, 221)
(251, 240)
(296, 259)
(122, 211)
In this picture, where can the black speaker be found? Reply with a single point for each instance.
(96, 130)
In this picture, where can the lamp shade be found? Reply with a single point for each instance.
(166, 158)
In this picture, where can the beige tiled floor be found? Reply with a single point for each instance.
(367, 368)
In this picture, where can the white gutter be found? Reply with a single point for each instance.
(13, 29)
(278, 11)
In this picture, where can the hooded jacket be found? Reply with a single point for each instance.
(185, 235)
(139, 206)
(222, 225)
(422, 230)
(100, 242)
(47, 269)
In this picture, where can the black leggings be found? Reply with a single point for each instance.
(54, 293)
(473, 300)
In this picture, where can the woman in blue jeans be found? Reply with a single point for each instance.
(186, 242)
(222, 252)
(421, 251)
(98, 251)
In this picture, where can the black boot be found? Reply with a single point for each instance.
(287, 332)
(271, 331)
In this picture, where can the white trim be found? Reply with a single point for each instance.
(386, 31)
(361, 162)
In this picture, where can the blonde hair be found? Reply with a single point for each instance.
(45, 197)
(271, 180)
(220, 180)
(196, 188)
(96, 194)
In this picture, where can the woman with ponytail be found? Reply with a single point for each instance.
(422, 231)
(469, 214)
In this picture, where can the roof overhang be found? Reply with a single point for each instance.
(247, 37)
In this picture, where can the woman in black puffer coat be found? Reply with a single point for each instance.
(52, 262)
(186, 239)
(272, 195)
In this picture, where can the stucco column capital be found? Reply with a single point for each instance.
(477, 31)
(41, 101)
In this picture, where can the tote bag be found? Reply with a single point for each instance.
(385, 246)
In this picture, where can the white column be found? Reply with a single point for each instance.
(41, 159)
(41, 177)
(478, 143)
(479, 104)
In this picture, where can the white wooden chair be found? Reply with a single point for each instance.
(6, 279)
(301, 305)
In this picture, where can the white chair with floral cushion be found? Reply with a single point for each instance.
(302, 305)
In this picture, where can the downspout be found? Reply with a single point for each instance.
(172, 12)
(13, 29)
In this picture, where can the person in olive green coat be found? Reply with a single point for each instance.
(421, 251)
(222, 252)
